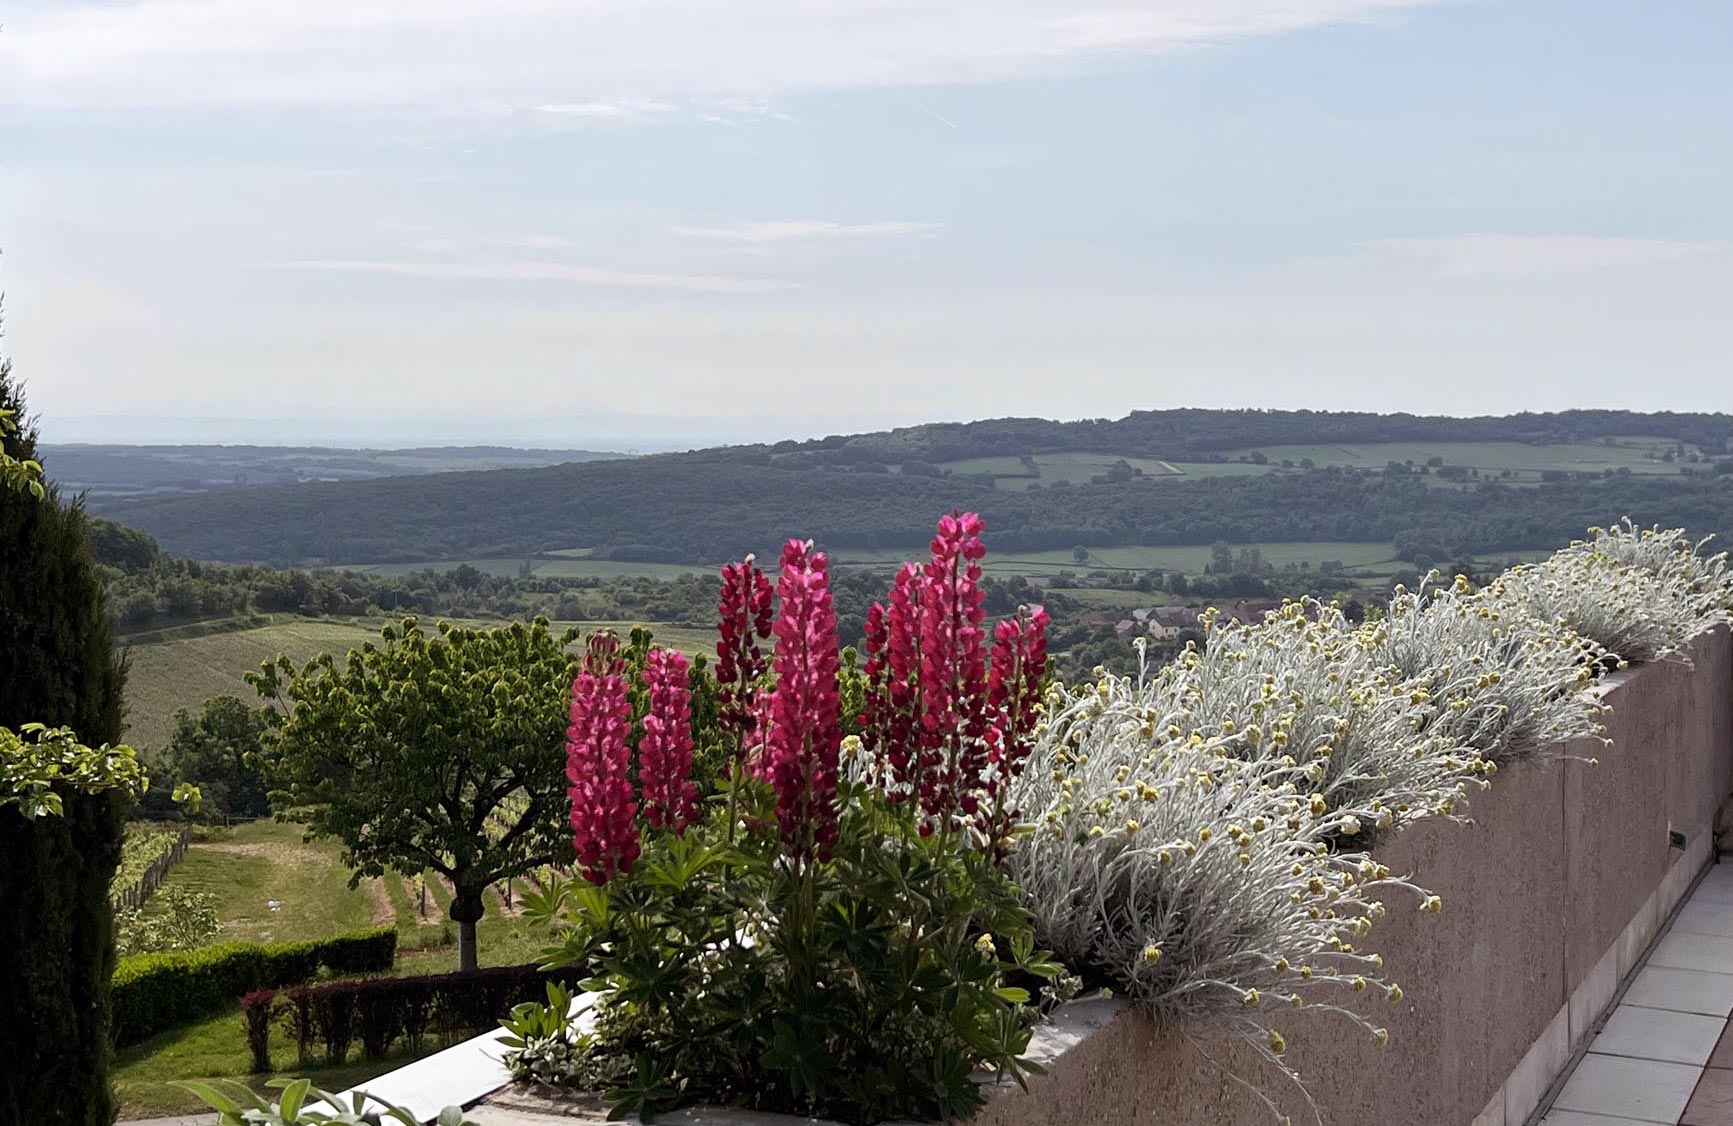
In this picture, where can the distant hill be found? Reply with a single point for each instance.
(112, 472)
(1435, 487)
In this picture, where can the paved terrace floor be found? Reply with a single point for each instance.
(1665, 1052)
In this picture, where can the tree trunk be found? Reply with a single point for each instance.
(466, 908)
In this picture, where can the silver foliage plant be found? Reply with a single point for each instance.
(1642, 594)
(1200, 832)
(1507, 684)
(1202, 881)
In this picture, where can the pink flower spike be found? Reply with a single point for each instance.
(665, 751)
(805, 726)
(598, 765)
(743, 624)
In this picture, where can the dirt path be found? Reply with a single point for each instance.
(384, 912)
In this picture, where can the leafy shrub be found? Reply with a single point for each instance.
(257, 1013)
(360, 952)
(236, 1105)
(183, 918)
(156, 992)
(334, 1017)
(378, 1011)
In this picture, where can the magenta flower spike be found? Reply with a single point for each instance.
(805, 727)
(665, 751)
(598, 765)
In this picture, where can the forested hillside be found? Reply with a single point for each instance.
(716, 504)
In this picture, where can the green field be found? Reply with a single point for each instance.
(1527, 462)
(563, 564)
(185, 671)
(1191, 559)
(1079, 468)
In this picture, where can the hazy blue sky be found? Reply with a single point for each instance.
(624, 222)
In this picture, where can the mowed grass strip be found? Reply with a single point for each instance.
(249, 867)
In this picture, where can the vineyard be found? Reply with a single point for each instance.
(147, 853)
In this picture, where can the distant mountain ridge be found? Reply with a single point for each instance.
(108, 471)
(882, 490)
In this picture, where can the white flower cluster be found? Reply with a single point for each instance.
(1199, 833)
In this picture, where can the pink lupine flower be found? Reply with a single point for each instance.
(1014, 700)
(953, 669)
(743, 623)
(598, 765)
(800, 749)
(892, 714)
(665, 751)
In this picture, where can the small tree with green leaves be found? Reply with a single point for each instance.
(220, 748)
(440, 751)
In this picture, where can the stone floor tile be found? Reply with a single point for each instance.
(1647, 1090)
(1704, 917)
(1683, 991)
(1578, 1118)
(1659, 1034)
(1712, 1104)
(1683, 951)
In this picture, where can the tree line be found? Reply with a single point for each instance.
(711, 506)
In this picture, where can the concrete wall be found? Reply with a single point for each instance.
(1549, 898)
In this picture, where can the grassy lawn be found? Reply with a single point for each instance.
(217, 1048)
(249, 866)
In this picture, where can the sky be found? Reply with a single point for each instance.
(628, 224)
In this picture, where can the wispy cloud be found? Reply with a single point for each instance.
(617, 113)
(537, 272)
(603, 60)
(1493, 254)
(533, 242)
(791, 230)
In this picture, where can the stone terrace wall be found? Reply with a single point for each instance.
(1549, 899)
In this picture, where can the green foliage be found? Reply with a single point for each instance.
(19, 474)
(180, 919)
(237, 1105)
(40, 765)
(154, 992)
(221, 749)
(146, 842)
(406, 753)
(56, 952)
(61, 803)
(865, 987)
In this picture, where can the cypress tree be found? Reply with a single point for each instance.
(57, 666)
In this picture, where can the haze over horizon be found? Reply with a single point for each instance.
(642, 224)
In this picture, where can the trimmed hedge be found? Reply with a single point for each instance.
(378, 1012)
(155, 992)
